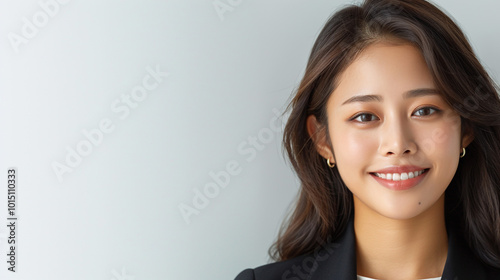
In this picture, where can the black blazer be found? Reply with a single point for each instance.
(337, 261)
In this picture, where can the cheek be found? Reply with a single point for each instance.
(439, 140)
(442, 147)
(353, 147)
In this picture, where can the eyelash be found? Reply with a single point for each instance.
(434, 111)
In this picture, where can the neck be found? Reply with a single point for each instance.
(387, 248)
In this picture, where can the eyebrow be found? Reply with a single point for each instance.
(409, 94)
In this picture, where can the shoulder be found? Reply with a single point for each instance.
(464, 263)
(275, 271)
(492, 272)
(332, 260)
(329, 261)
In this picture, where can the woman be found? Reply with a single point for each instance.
(394, 133)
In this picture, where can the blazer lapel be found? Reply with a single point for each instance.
(338, 260)
(461, 262)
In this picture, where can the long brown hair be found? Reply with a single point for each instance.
(324, 203)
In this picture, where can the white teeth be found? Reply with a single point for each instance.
(399, 176)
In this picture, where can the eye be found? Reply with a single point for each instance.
(426, 111)
(364, 117)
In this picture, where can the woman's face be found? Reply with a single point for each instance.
(396, 142)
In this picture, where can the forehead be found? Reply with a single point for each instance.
(383, 69)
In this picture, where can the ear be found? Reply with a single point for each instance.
(317, 133)
(467, 138)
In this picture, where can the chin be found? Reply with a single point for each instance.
(402, 214)
(404, 208)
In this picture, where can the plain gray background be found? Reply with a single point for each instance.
(115, 213)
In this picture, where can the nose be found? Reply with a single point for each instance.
(396, 138)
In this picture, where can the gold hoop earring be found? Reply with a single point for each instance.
(331, 165)
(463, 153)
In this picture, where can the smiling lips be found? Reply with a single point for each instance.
(400, 177)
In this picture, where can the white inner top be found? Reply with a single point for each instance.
(366, 278)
